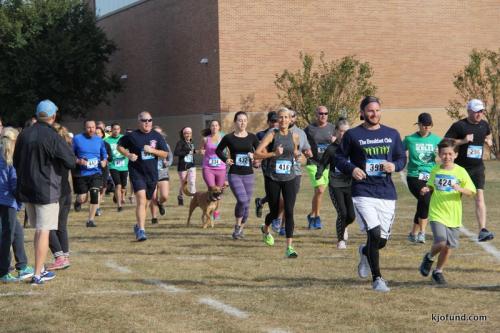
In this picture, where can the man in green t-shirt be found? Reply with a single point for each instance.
(447, 182)
(118, 168)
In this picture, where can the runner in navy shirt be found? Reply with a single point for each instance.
(143, 147)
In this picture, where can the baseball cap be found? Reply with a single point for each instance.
(47, 107)
(424, 119)
(272, 116)
(475, 105)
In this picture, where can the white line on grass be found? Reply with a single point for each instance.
(228, 309)
(486, 246)
(113, 265)
(164, 286)
(276, 330)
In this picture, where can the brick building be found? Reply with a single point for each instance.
(188, 61)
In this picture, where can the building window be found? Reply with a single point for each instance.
(103, 7)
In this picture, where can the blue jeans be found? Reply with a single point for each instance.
(11, 235)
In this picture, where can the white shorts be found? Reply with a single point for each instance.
(43, 217)
(374, 212)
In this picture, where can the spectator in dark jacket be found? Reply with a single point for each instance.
(41, 158)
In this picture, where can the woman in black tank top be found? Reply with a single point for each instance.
(283, 149)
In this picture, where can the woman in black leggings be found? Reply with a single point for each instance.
(339, 185)
(283, 150)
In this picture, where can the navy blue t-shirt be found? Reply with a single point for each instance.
(146, 163)
(367, 149)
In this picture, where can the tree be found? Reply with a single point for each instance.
(52, 49)
(339, 85)
(480, 79)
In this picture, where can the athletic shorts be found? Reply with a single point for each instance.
(119, 177)
(477, 176)
(374, 212)
(139, 183)
(442, 233)
(83, 184)
(163, 175)
(43, 217)
(311, 171)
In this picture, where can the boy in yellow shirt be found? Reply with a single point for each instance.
(447, 182)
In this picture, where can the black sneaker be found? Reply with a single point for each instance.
(98, 212)
(119, 209)
(438, 278)
(180, 200)
(161, 208)
(91, 224)
(154, 220)
(426, 265)
(236, 232)
(485, 235)
(77, 206)
(258, 207)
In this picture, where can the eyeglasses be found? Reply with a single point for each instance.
(322, 113)
(150, 120)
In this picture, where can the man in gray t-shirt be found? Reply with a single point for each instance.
(319, 134)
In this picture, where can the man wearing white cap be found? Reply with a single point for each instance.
(471, 134)
(40, 158)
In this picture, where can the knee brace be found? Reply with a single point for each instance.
(94, 196)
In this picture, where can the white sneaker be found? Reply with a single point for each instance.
(380, 285)
(363, 266)
(346, 234)
(341, 245)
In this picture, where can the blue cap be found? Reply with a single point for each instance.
(46, 106)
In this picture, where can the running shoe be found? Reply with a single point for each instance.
(46, 276)
(241, 235)
(346, 234)
(317, 223)
(7, 278)
(276, 225)
(59, 263)
(91, 224)
(25, 273)
(141, 235)
(412, 238)
(161, 208)
(291, 253)
(426, 265)
(420, 238)
(98, 212)
(66, 261)
(258, 208)
(341, 245)
(136, 230)
(154, 220)
(380, 285)
(77, 206)
(267, 237)
(180, 200)
(485, 235)
(310, 222)
(282, 231)
(236, 232)
(216, 215)
(363, 266)
(119, 209)
(438, 278)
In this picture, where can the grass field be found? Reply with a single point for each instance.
(187, 279)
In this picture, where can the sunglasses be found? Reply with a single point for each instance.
(150, 120)
(322, 113)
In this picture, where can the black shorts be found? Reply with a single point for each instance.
(119, 177)
(140, 182)
(82, 184)
(477, 176)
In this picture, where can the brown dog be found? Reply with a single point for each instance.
(208, 202)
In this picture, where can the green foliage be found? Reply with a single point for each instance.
(52, 49)
(339, 85)
(479, 79)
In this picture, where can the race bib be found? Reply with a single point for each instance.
(214, 162)
(283, 167)
(375, 168)
(92, 163)
(119, 162)
(188, 158)
(242, 160)
(444, 183)
(475, 152)
(146, 156)
(322, 147)
(423, 176)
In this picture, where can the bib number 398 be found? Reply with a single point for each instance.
(375, 168)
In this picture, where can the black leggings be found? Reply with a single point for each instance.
(273, 191)
(415, 185)
(373, 244)
(58, 239)
(342, 201)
